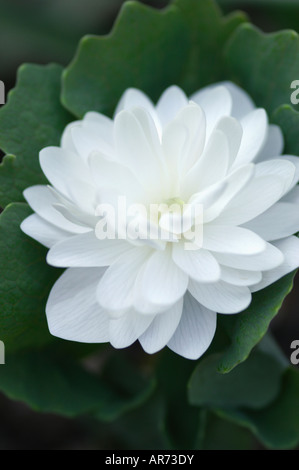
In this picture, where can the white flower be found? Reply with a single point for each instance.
(215, 149)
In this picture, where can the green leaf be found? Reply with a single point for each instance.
(130, 388)
(33, 118)
(150, 50)
(26, 280)
(208, 32)
(181, 420)
(254, 384)
(265, 65)
(54, 385)
(141, 428)
(270, 14)
(221, 434)
(246, 329)
(276, 426)
(288, 120)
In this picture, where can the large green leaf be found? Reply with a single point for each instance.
(150, 50)
(33, 118)
(265, 65)
(181, 420)
(288, 119)
(254, 384)
(270, 14)
(277, 426)
(26, 280)
(140, 428)
(222, 434)
(246, 329)
(53, 384)
(208, 32)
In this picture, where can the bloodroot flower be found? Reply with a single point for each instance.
(225, 207)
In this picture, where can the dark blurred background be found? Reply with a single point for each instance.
(43, 31)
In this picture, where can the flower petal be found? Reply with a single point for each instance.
(41, 200)
(216, 102)
(210, 168)
(290, 249)
(61, 167)
(193, 118)
(242, 104)
(135, 151)
(125, 330)
(72, 310)
(161, 282)
(161, 329)
(196, 330)
(240, 277)
(280, 221)
(42, 231)
(86, 250)
(221, 296)
(95, 133)
(234, 183)
(170, 103)
(257, 196)
(282, 167)
(134, 98)
(231, 239)
(273, 145)
(199, 264)
(234, 132)
(295, 160)
(269, 259)
(113, 175)
(116, 290)
(255, 128)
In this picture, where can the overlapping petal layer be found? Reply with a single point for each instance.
(164, 283)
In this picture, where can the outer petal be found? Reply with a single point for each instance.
(290, 248)
(233, 185)
(273, 146)
(284, 168)
(234, 133)
(280, 221)
(42, 231)
(113, 175)
(242, 103)
(160, 283)
(193, 120)
(67, 142)
(295, 160)
(134, 150)
(220, 296)
(161, 329)
(170, 103)
(61, 167)
(255, 128)
(95, 133)
(211, 167)
(86, 250)
(72, 310)
(125, 330)
(41, 200)
(133, 98)
(231, 239)
(271, 258)
(257, 196)
(240, 277)
(199, 264)
(116, 290)
(216, 102)
(195, 331)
